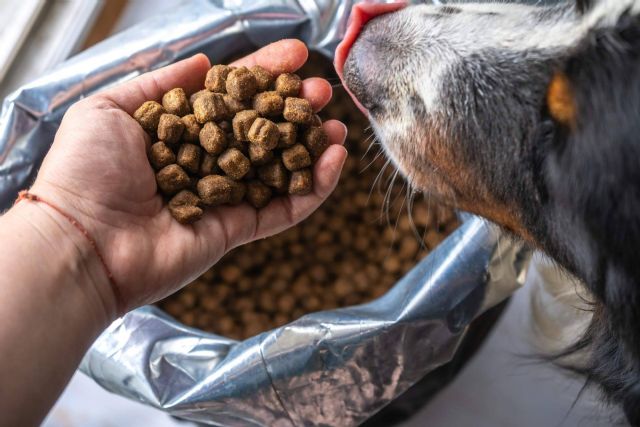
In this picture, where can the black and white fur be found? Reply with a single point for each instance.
(457, 95)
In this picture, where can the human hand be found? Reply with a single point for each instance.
(97, 171)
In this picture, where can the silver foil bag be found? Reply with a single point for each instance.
(330, 368)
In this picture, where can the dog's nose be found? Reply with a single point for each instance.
(360, 15)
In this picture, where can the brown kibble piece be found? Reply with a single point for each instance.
(264, 132)
(274, 175)
(185, 197)
(238, 191)
(172, 179)
(184, 207)
(316, 121)
(238, 145)
(209, 107)
(234, 163)
(297, 110)
(160, 155)
(212, 138)
(258, 194)
(175, 102)
(301, 182)
(216, 79)
(189, 157)
(288, 134)
(264, 79)
(268, 103)
(196, 95)
(191, 131)
(208, 165)
(242, 122)
(241, 83)
(170, 129)
(225, 125)
(316, 141)
(233, 105)
(288, 84)
(296, 157)
(148, 115)
(259, 155)
(286, 303)
(215, 190)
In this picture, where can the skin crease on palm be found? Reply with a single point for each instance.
(97, 170)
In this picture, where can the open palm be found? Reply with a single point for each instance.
(97, 170)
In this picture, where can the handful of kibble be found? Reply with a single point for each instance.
(246, 136)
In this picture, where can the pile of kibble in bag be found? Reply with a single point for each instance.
(246, 136)
(346, 253)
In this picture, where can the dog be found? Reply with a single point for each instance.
(530, 117)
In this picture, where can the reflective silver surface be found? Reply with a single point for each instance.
(329, 368)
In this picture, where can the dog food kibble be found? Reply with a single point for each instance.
(160, 155)
(296, 157)
(234, 163)
(215, 190)
(258, 194)
(274, 175)
(233, 105)
(316, 121)
(170, 129)
(246, 137)
(184, 207)
(196, 95)
(297, 110)
(264, 79)
(191, 133)
(189, 158)
(264, 132)
(242, 122)
(239, 145)
(316, 141)
(241, 83)
(268, 103)
(238, 191)
(259, 155)
(301, 182)
(175, 102)
(288, 134)
(148, 115)
(212, 138)
(209, 107)
(208, 165)
(172, 178)
(216, 79)
(288, 85)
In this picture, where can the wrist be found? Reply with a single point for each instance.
(68, 257)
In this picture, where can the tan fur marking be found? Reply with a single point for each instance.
(560, 100)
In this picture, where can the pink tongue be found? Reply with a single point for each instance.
(360, 15)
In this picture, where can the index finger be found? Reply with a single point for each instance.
(284, 56)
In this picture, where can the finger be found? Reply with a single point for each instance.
(317, 91)
(336, 131)
(284, 56)
(188, 74)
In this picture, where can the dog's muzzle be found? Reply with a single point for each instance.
(351, 64)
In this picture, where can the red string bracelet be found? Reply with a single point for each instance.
(25, 195)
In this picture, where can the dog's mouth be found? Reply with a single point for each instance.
(360, 15)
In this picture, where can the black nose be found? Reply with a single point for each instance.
(358, 76)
